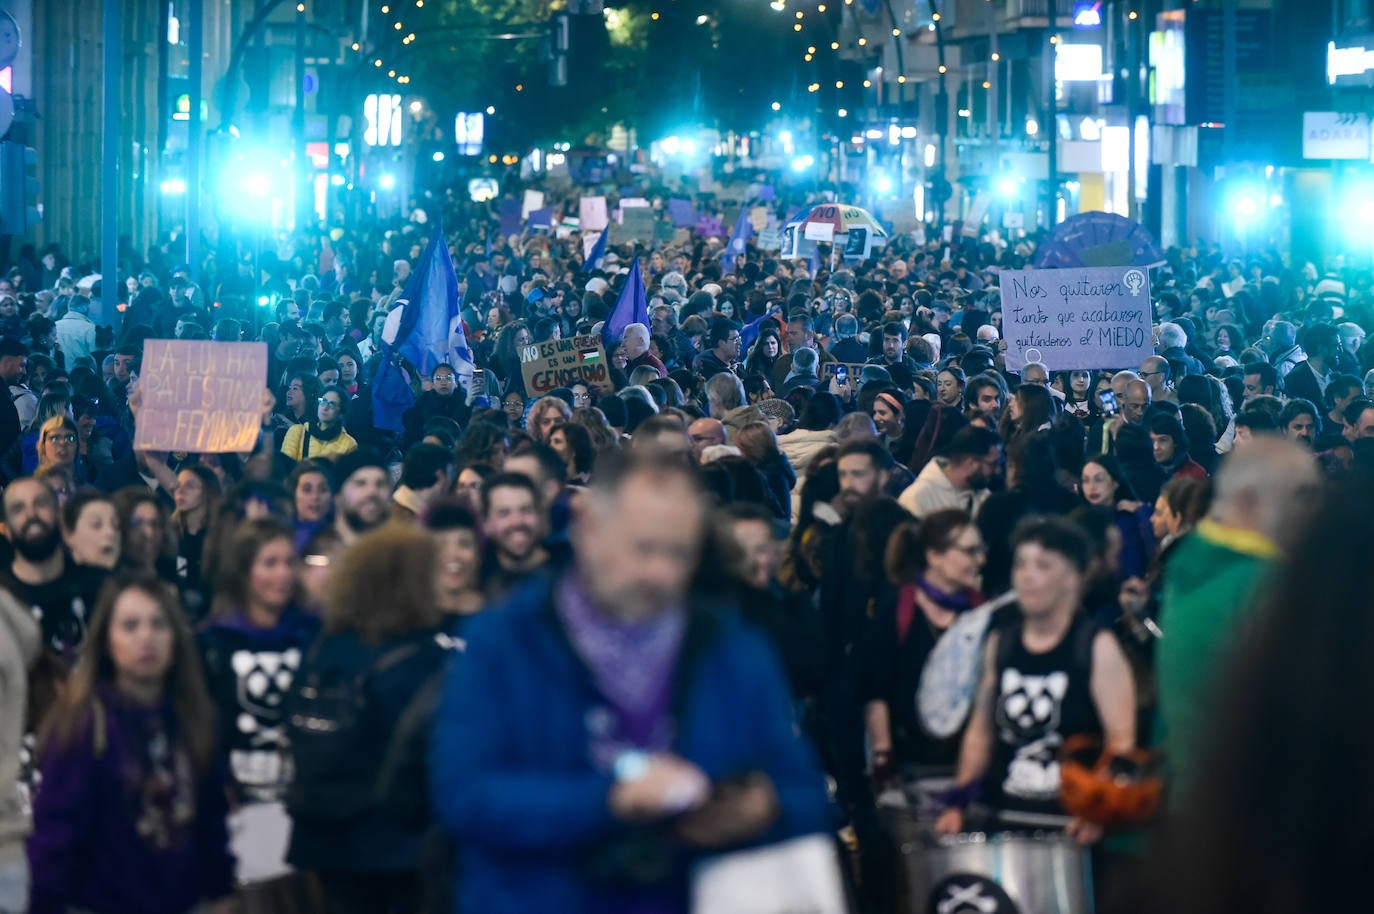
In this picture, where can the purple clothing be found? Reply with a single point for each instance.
(128, 830)
(633, 666)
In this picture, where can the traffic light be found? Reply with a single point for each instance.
(560, 44)
(19, 207)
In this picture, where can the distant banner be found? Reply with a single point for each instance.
(1094, 317)
(563, 363)
(201, 397)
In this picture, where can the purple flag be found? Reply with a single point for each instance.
(682, 212)
(631, 308)
(510, 217)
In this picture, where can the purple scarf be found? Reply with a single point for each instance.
(633, 665)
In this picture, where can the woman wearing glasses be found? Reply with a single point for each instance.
(324, 437)
(57, 445)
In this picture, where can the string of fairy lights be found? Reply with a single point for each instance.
(395, 12)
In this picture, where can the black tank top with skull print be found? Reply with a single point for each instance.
(1040, 700)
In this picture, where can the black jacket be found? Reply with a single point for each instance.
(395, 671)
(432, 406)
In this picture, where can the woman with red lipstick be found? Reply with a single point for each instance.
(132, 814)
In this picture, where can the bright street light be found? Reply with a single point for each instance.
(439, 156)
(387, 182)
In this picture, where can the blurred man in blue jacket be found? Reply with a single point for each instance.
(606, 729)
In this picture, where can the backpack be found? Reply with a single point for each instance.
(334, 737)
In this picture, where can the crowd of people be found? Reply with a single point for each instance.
(809, 561)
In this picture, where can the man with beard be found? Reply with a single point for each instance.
(960, 478)
(60, 595)
(609, 714)
(845, 598)
(985, 396)
(364, 499)
(516, 525)
(863, 466)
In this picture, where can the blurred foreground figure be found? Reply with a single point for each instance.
(1278, 817)
(606, 728)
(1262, 494)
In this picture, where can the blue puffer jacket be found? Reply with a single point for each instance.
(512, 777)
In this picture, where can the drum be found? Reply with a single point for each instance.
(1004, 873)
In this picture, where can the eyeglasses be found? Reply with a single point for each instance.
(973, 552)
(332, 404)
(62, 439)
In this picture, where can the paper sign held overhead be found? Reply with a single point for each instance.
(1089, 318)
(534, 200)
(201, 397)
(591, 214)
(819, 231)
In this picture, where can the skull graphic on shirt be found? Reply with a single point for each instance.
(1029, 709)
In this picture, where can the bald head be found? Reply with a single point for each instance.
(1264, 487)
(705, 433)
(1137, 397)
(1119, 382)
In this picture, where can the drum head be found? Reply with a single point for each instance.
(968, 893)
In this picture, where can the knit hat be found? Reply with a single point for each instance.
(354, 461)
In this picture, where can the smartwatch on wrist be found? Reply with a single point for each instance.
(630, 766)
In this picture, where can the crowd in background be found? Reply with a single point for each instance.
(577, 641)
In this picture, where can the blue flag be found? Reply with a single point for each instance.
(428, 332)
(631, 308)
(392, 394)
(750, 331)
(744, 230)
(598, 254)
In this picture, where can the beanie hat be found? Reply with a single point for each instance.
(354, 461)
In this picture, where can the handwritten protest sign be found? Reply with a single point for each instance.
(562, 363)
(1095, 317)
(201, 397)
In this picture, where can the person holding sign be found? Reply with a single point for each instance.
(324, 438)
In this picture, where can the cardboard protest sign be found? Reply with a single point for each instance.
(1092, 317)
(758, 217)
(562, 363)
(201, 397)
(591, 214)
